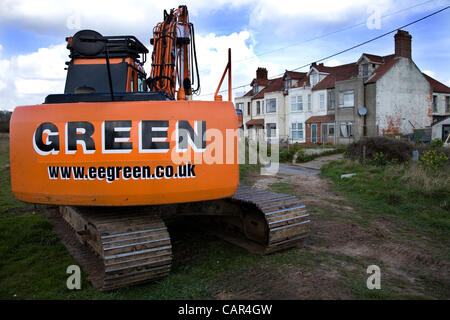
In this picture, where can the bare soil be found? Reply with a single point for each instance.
(341, 246)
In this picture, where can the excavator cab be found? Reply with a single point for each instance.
(104, 69)
(127, 56)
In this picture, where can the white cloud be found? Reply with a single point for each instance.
(42, 72)
(212, 56)
(139, 17)
(333, 63)
(28, 79)
(429, 72)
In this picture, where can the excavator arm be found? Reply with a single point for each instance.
(174, 57)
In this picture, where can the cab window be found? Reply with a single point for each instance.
(140, 84)
(133, 75)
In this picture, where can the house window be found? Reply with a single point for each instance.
(255, 89)
(322, 101)
(297, 103)
(332, 100)
(297, 131)
(309, 102)
(271, 130)
(287, 84)
(331, 129)
(346, 129)
(239, 106)
(346, 99)
(365, 70)
(447, 104)
(258, 107)
(249, 108)
(314, 79)
(271, 105)
(434, 103)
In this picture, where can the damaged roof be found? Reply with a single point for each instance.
(436, 86)
(338, 73)
(389, 61)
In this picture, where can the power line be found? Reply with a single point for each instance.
(330, 33)
(348, 49)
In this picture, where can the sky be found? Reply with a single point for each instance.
(278, 35)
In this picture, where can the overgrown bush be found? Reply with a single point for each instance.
(437, 143)
(432, 160)
(287, 154)
(380, 149)
(424, 148)
(379, 159)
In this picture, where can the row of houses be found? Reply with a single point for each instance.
(375, 95)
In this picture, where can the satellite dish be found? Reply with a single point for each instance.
(362, 111)
(88, 42)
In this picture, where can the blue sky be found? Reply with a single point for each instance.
(32, 33)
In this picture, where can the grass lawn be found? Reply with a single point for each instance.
(417, 199)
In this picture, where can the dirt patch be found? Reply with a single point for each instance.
(403, 261)
(288, 282)
(356, 245)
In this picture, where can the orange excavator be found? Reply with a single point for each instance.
(120, 153)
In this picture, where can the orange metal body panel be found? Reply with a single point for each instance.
(30, 178)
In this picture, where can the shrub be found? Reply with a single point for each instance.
(424, 148)
(432, 160)
(379, 159)
(380, 148)
(437, 143)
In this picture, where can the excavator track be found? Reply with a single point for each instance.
(268, 221)
(133, 247)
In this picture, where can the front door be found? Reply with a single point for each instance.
(324, 133)
(313, 133)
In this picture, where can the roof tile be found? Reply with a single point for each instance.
(327, 118)
(437, 86)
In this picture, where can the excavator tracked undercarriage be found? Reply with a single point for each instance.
(132, 244)
(119, 154)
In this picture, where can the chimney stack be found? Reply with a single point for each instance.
(403, 44)
(261, 74)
